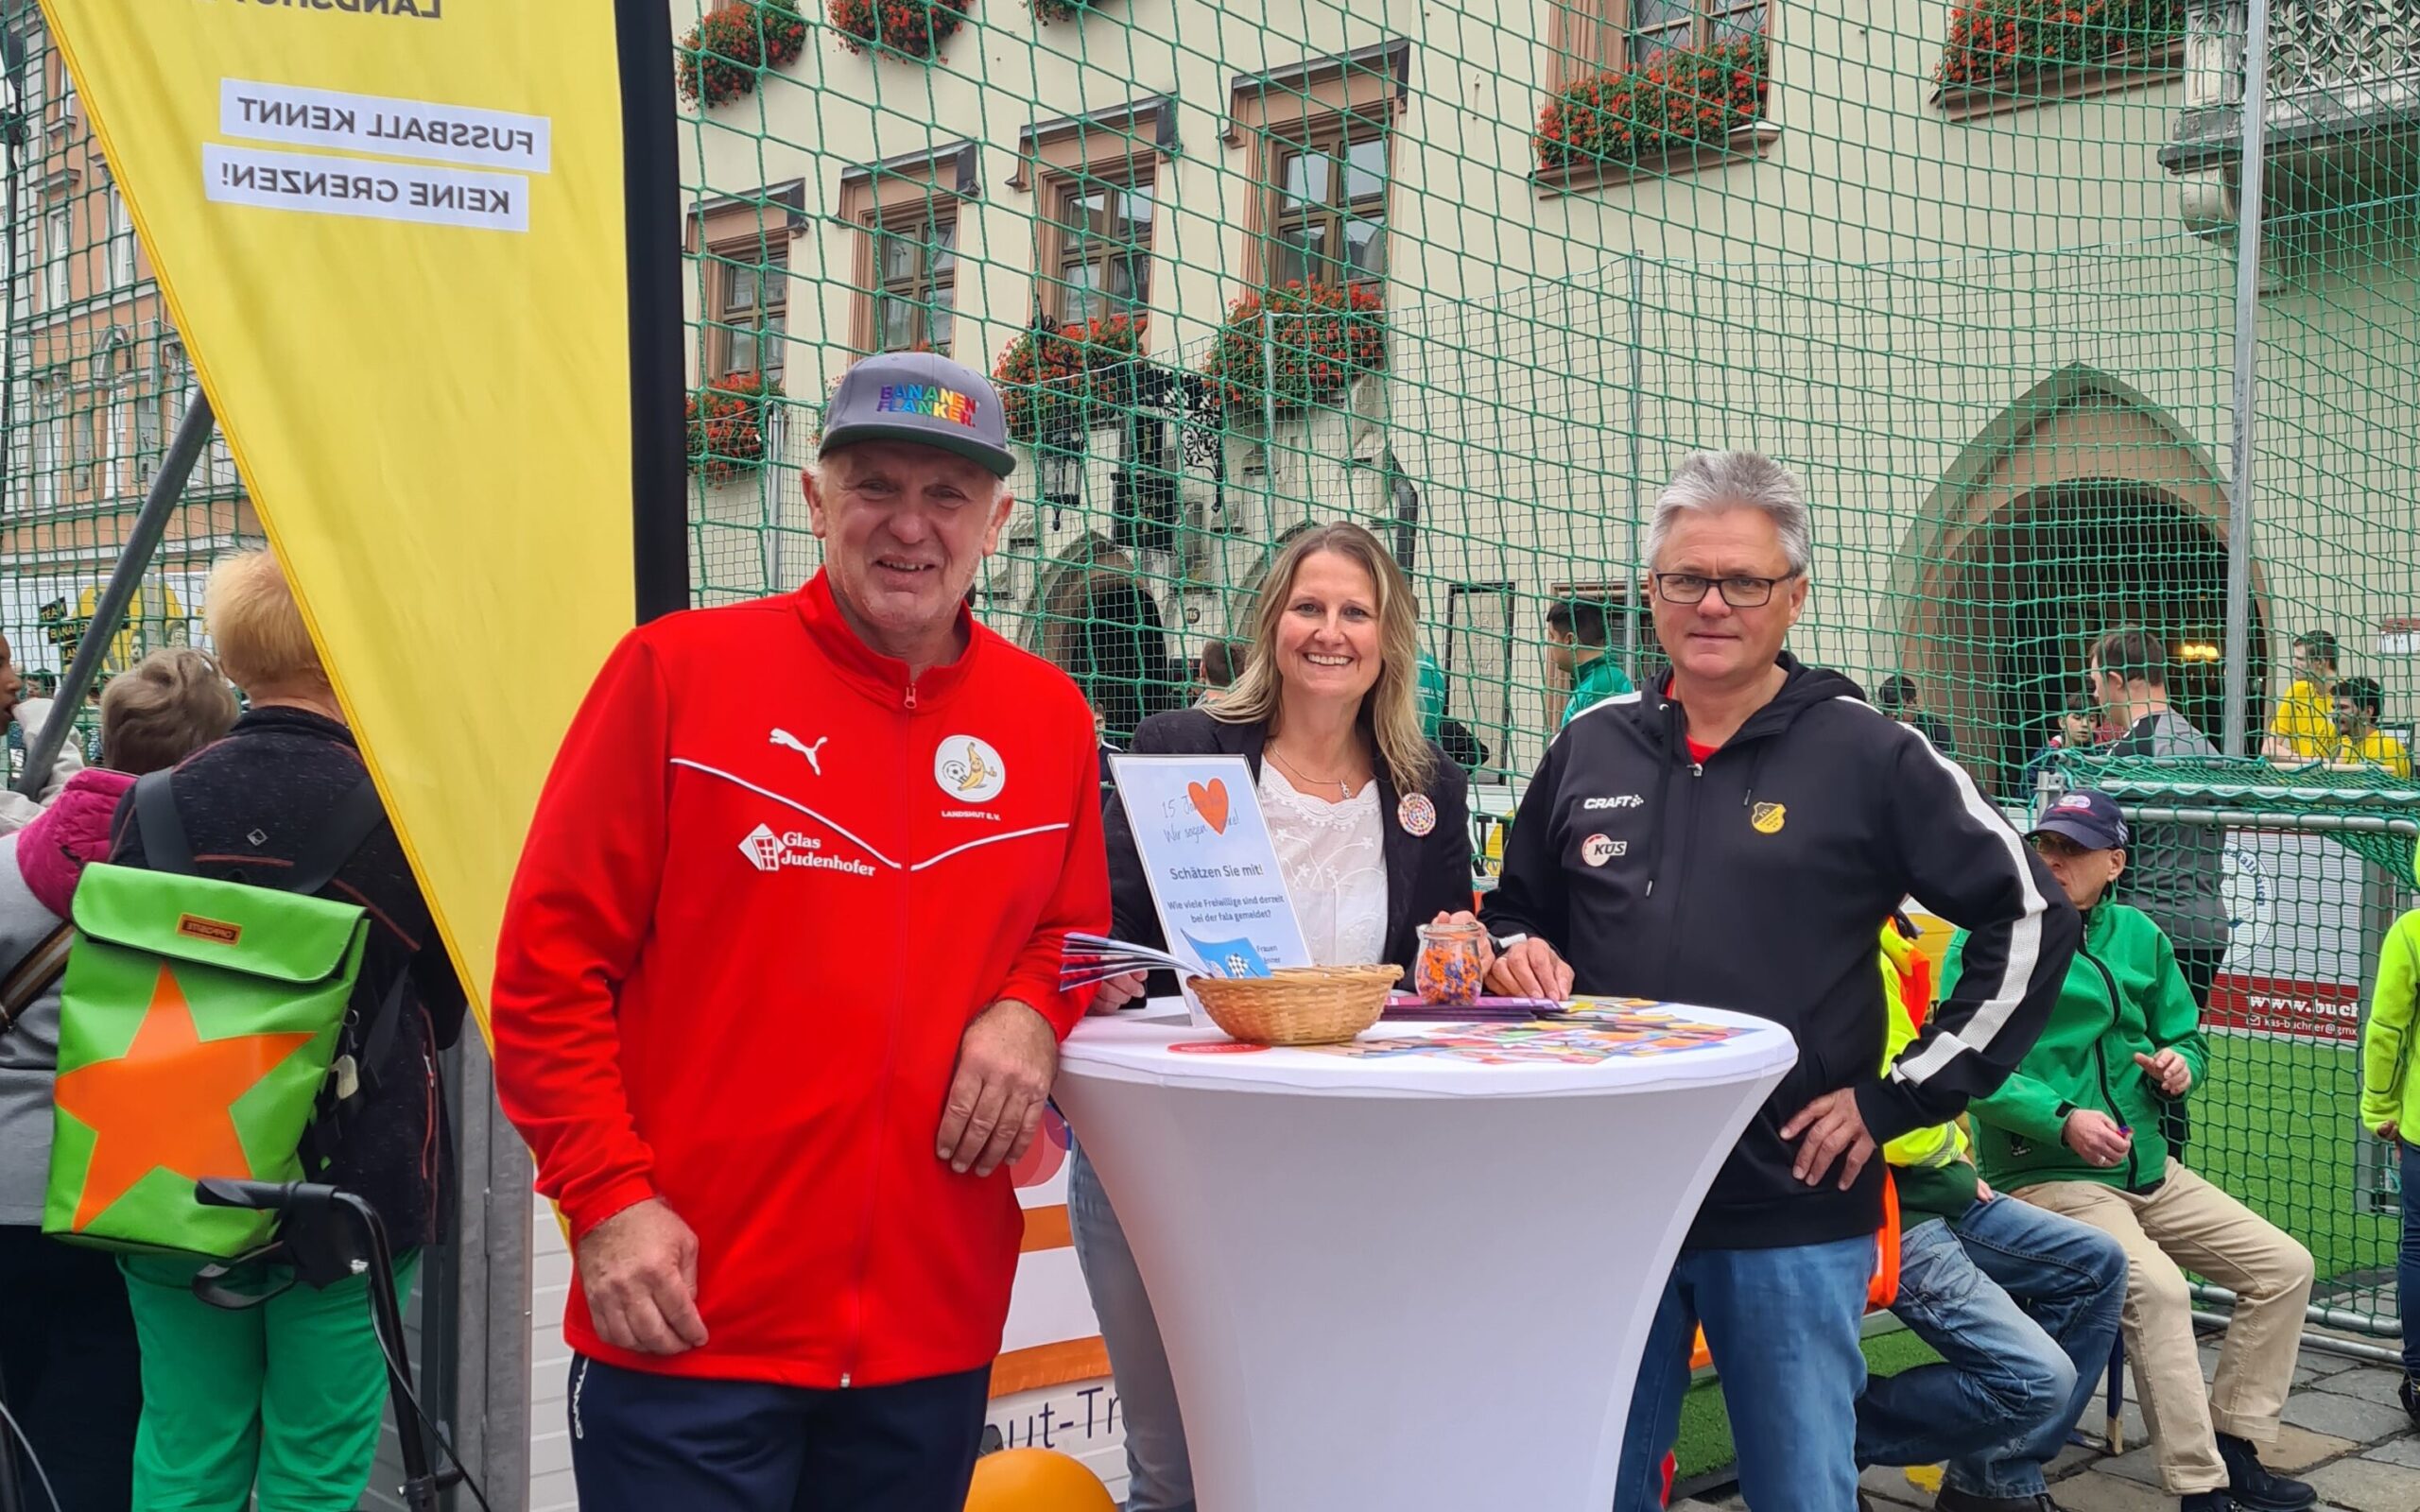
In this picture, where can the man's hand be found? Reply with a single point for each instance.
(1005, 1062)
(640, 1270)
(2096, 1137)
(2167, 1071)
(1530, 970)
(1835, 1130)
(1983, 1192)
(1116, 992)
(2388, 1132)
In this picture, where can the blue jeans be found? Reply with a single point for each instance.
(1782, 1325)
(2013, 1378)
(1159, 1475)
(2406, 1255)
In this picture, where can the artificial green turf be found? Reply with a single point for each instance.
(1704, 1443)
(2275, 1124)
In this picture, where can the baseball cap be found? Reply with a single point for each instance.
(2090, 819)
(920, 397)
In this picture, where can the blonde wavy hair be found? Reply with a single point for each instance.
(1390, 710)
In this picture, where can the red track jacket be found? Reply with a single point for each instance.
(770, 882)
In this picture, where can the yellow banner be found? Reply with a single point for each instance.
(392, 233)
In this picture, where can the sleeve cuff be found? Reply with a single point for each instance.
(1888, 1112)
(1062, 1011)
(618, 1196)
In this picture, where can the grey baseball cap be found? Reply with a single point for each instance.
(921, 397)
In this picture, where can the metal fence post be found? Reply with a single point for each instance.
(2247, 358)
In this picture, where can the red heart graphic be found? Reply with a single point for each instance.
(1210, 802)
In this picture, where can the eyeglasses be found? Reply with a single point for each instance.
(1739, 593)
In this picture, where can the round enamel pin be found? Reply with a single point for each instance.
(1416, 813)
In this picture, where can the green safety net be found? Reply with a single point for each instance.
(2368, 809)
(1479, 277)
(93, 383)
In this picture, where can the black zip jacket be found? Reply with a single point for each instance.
(1759, 883)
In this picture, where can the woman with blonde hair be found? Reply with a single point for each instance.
(282, 1400)
(1372, 826)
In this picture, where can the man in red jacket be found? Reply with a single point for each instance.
(776, 1000)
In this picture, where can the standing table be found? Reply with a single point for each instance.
(1418, 1275)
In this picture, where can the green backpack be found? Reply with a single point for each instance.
(205, 1030)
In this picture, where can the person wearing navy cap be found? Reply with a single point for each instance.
(2080, 1128)
(777, 1000)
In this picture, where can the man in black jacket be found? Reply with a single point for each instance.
(1735, 838)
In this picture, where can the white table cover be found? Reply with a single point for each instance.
(1411, 1280)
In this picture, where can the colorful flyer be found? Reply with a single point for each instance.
(1630, 1029)
(1214, 874)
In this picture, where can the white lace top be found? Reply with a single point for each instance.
(1334, 856)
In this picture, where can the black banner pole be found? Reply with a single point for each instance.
(651, 206)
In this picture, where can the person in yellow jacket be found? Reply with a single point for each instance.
(2021, 1305)
(2303, 727)
(2391, 1110)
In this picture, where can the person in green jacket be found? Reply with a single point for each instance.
(1580, 646)
(2077, 1129)
(2021, 1305)
(2390, 1105)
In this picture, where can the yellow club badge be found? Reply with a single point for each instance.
(1767, 818)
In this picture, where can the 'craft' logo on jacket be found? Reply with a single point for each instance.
(1767, 818)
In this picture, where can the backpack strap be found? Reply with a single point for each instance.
(164, 844)
(35, 973)
(354, 820)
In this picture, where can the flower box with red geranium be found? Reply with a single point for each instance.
(1303, 344)
(1053, 377)
(727, 423)
(725, 54)
(1047, 11)
(912, 28)
(2000, 41)
(1691, 97)
(1996, 43)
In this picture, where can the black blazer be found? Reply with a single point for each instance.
(1426, 874)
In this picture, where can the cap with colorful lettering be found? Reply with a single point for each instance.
(920, 397)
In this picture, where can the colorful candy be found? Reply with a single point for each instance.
(1449, 969)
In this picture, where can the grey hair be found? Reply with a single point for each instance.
(1716, 482)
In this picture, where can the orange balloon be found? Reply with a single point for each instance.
(1035, 1480)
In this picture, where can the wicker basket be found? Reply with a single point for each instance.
(1299, 1006)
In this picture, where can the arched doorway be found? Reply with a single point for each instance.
(1099, 624)
(2051, 572)
(2082, 509)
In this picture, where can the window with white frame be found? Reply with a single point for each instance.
(58, 231)
(121, 241)
(49, 442)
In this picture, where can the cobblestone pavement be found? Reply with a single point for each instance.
(2344, 1433)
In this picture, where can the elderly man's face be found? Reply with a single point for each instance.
(2084, 875)
(1713, 641)
(904, 528)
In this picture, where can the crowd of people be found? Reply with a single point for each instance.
(131, 1388)
(778, 1119)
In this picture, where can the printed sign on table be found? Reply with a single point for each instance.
(1214, 874)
